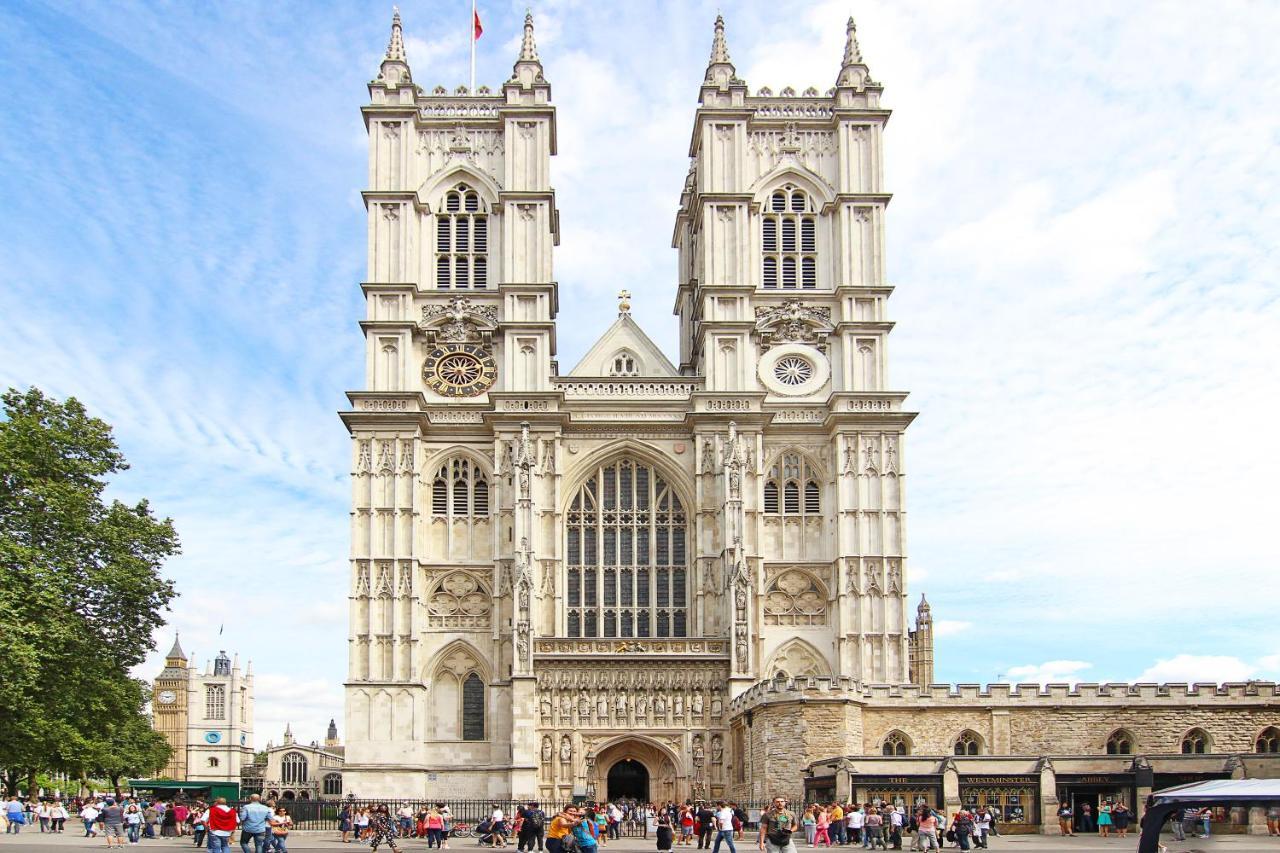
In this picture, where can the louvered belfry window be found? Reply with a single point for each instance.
(462, 241)
(626, 556)
(792, 477)
(789, 241)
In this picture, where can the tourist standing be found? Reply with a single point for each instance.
(981, 827)
(810, 823)
(927, 829)
(150, 817)
(344, 823)
(362, 823)
(776, 826)
(435, 828)
(534, 827)
(1120, 817)
(133, 822)
(1206, 818)
(873, 829)
(835, 823)
(1273, 820)
(561, 826)
(895, 828)
(1064, 819)
(705, 818)
(199, 824)
(1104, 819)
(405, 815)
(497, 827)
(221, 821)
(663, 832)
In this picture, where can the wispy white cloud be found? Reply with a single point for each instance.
(1049, 672)
(950, 627)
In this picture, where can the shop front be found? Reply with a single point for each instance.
(1087, 793)
(1224, 820)
(1014, 799)
(905, 791)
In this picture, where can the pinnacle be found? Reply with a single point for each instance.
(852, 53)
(528, 49)
(719, 47)
(395, 47)
(176, 651)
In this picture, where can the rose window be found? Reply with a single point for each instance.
(459, 369)
(793, 370)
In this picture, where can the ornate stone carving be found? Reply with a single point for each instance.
(890, 456)
(566, 749)
(458, 321)
(386, 456)
(459, 600)
(548, 750)
(364, 461)
(869, 457)
(795, 598)
(717, 750)
(793, 322)
(895, 577)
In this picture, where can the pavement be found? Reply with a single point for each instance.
(34, 842)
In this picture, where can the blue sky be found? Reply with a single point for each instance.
(1083, 238)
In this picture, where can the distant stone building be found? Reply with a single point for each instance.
(294, 771)
(668, 578)
(207, 717)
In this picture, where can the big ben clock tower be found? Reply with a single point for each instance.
(169, 709)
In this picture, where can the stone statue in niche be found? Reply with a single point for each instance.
(566, 749)
(548, 751)
(642, 706)
(602, 708)
(699, 753)
(584, 705)
(546, 706)
(566, 706)
(620, 707)
(708, 456)
(677, 705)
(717, 750)
(697, 703)
(660, 705)
(717, 705)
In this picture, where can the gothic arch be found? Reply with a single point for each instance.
(434, 188)
(969, 742)
(895, 742)
(443, 657)
(776, 454)
(1195, 741)
(1121, 742)
(459, 599)
(636, 451)
(795, 174)
(610, 366)
(798, 659)
(432, 461)
(798, 598)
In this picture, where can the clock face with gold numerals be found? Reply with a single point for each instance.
(459, 370)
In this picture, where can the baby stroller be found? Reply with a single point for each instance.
(484, 832)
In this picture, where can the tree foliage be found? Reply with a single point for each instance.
(80, 590)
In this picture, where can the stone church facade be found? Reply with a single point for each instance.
(593, 582)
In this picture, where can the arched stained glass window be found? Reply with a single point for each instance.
(293, 768)
(473, 708)
(626, 556)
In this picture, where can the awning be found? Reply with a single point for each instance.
(1216, 792)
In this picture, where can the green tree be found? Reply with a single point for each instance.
(80, 586)
(125, 744)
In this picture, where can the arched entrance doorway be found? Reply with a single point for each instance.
(628, 779)
(637, 768)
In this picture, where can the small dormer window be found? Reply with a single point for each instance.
(624, 364)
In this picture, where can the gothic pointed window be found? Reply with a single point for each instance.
(215, 701)
(627, 563)
(789, 241)
(1269, 740)
(792, 476)
(968, 744)
(333, 785)
(1120, 743)
(293, 768)
(473, 708)
(1195, 742)
(896, 743)
(624, 364)
(462, 241)
(460, 490)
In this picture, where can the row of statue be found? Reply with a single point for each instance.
(622, 707)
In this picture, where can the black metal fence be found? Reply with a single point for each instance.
(464, 815)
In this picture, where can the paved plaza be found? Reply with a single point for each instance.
(34, 841)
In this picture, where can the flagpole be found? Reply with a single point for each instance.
(471, 28)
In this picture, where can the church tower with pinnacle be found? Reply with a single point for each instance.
(561, 581)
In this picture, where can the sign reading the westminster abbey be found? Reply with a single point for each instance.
(624, 580)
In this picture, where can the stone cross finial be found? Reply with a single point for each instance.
(852, 53)
(624, 301)
(720, 70)
(853, 69)
(719, 47)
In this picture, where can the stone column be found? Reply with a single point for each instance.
(950, 788)
(1048, 799)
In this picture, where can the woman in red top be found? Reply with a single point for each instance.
(222, 821)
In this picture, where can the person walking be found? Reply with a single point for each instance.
(382, 828)
(705, 825)
(895, 828)
(1206, 818)
(664, 832)
(112, 816)
(42, 815)
(723, 819)
(776, 826)
(221, 821)
(16, 815)
(88, 814)
(822, 827)
(58, 816)
(280, 823)
(927, 829)
(199, 824)
(535, 820)
(254, 818)
(435, 828)
(1064, 819)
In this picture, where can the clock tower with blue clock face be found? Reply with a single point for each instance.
(207, 717)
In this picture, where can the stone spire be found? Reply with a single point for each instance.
(720, 69)
(923, 611)
(528, 68)
(331, 736)
(395, 65)
(853, 70)
(288, 734)
(176, 653)
(395, 47)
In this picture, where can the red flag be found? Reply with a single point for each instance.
(476, 29)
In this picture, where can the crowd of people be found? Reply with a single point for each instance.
(264, 827)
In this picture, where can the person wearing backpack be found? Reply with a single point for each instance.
(533, 828)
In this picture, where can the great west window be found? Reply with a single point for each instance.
(626, 556)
